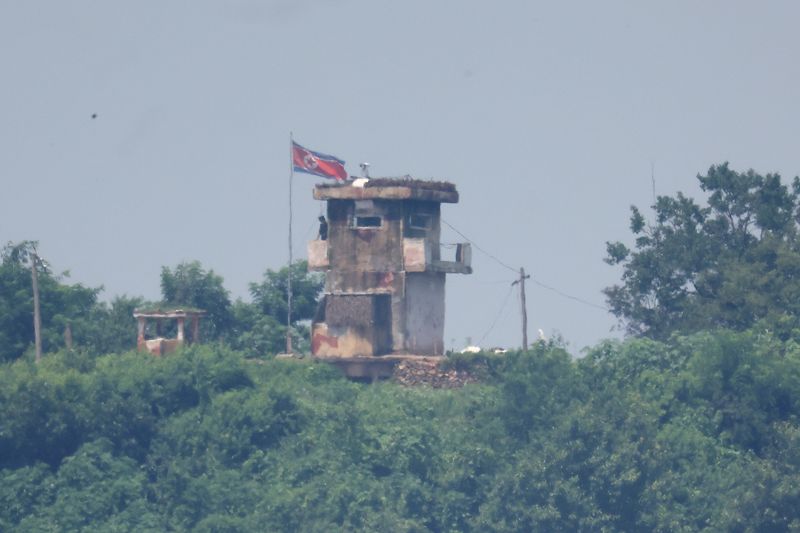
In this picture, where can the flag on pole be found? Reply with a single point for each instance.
(316, 163)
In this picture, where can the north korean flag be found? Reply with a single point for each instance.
(316, 163)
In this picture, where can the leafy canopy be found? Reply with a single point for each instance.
(261, 324)
(61, 304)
(190, 284)
(732, 263)
(700, 433)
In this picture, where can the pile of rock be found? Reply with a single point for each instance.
(427, 372)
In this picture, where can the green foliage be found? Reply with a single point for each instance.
(110, 327)
(733, 263)
(61, 304)
(94, 490)
(270, 294)
(49, 410)
(701, 433)
(189, 284)
(261, 325)
(536, 384)
(256, 333)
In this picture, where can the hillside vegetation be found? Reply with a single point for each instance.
(698, 433)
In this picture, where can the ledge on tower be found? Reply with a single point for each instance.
(389, 188)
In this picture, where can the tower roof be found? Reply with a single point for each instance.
(389, 189)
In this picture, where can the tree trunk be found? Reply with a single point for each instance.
(37, 320)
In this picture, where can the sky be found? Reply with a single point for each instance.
(552, 119)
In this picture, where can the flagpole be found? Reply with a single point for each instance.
(289, 274)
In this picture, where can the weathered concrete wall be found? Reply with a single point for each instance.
(353, 282)
(365, 249)
(424, 313)
(398, 332)
(339, 341)
(387, 283)
(318, 255)
(354, 325)
(161, 346)
(416, 255)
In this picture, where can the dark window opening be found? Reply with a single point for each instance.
(417, 221)
(367, 222)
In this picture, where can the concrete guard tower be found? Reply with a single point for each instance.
(384, 272)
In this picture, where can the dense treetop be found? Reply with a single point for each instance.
(732, 263)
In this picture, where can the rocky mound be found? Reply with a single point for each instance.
(426, 372)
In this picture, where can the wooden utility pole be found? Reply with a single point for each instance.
(37, 319)
(521, 281)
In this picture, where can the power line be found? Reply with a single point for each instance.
(497, 317)
(473, 243)
(565, 295)
(515, 271)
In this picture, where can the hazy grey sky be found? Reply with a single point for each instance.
(547, 116)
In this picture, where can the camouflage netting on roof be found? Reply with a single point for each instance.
(399, 182)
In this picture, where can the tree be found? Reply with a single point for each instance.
(112, 327)
(261, 325)
(62, 304)
(270, 294)
(257, 333)
(189, 284)
(732, 263)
